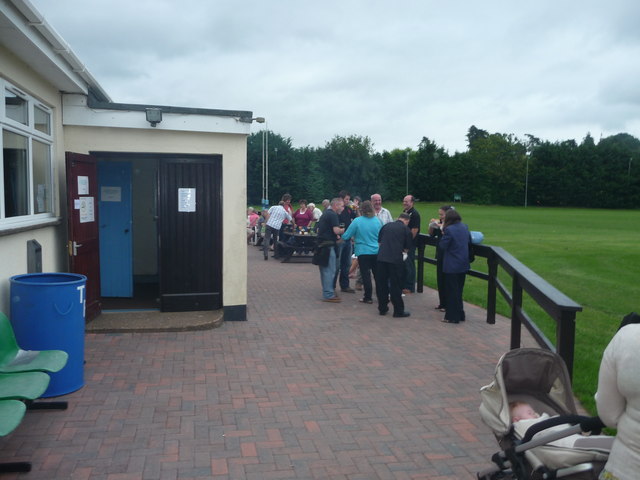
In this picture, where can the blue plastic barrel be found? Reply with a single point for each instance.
(47, 313)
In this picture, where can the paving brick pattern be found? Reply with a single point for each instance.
(302, 390)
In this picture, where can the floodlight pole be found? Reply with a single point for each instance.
(526, 182)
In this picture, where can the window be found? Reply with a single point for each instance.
(42, 120)
(26, 170)
(16, 107)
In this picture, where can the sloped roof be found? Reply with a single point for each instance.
(26, 33)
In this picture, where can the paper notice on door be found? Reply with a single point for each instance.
(110, 194)
(83, 185)
(186, 199)
(86, 210)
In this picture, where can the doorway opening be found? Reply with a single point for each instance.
(127, 212)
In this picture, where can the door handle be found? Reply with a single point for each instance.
(75, 248)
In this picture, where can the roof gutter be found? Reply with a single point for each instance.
(60, 47)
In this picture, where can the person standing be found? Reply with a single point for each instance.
(303, 216)
(435, 230)
(618, 399)
(364, 230)
(344, 248)
(382, 213)
(414, 225)
(455, 246)
(275, 216)
(329, 231)
(286, 203)
(394, 240)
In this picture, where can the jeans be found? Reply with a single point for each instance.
(344, 252)
(327, 274)
(410, 270)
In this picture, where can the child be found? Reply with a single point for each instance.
(524, 416)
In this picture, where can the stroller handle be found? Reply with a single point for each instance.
(587, 424)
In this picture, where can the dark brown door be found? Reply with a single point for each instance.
(82, 207)
(190, 230)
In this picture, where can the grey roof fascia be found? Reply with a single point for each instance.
(241, 115)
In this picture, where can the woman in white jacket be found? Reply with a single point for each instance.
(618, 399)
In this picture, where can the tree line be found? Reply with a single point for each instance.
(496, 168)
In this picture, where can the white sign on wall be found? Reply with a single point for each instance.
(186, 199)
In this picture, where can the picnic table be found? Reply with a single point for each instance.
(297, 244)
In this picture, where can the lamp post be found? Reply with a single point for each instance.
(263, 199)
(526, 181)
(265, 156)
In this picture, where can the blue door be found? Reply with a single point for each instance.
(116, 265)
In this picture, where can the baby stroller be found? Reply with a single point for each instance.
(540, 378)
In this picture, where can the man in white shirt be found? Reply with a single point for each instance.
(382, 213)
(275, 216)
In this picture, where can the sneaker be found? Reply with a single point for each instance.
(402, 315)
(348, 290)
(332, 300)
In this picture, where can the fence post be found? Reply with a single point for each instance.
(516, 307)
(421, 248)
(492, 263)
(566, 337)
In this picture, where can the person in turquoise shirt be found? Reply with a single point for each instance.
(364, 231)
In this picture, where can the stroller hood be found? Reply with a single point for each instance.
(537, 376)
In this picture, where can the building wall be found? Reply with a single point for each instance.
(232, 147)
(13, 242)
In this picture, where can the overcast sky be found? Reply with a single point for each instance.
(394, 71)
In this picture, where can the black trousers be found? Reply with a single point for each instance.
(454, 285)
(389, 281)
(442, 299)
(367, 264)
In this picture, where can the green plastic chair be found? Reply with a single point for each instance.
(11, 414)
(14, 359)
(23, 385)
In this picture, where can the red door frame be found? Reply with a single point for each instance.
(83, 245)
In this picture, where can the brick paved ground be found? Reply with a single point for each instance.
(303, 390)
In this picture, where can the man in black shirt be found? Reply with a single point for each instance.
(344, 248)
(394, 240)
(414, 226)
(329, 231)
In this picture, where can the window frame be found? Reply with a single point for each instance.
(32, 134)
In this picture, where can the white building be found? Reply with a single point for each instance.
(136, 197)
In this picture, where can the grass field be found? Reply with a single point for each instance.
(592, 256)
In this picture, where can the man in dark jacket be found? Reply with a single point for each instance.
(394, 240)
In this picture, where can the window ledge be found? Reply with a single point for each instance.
(11, 230)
